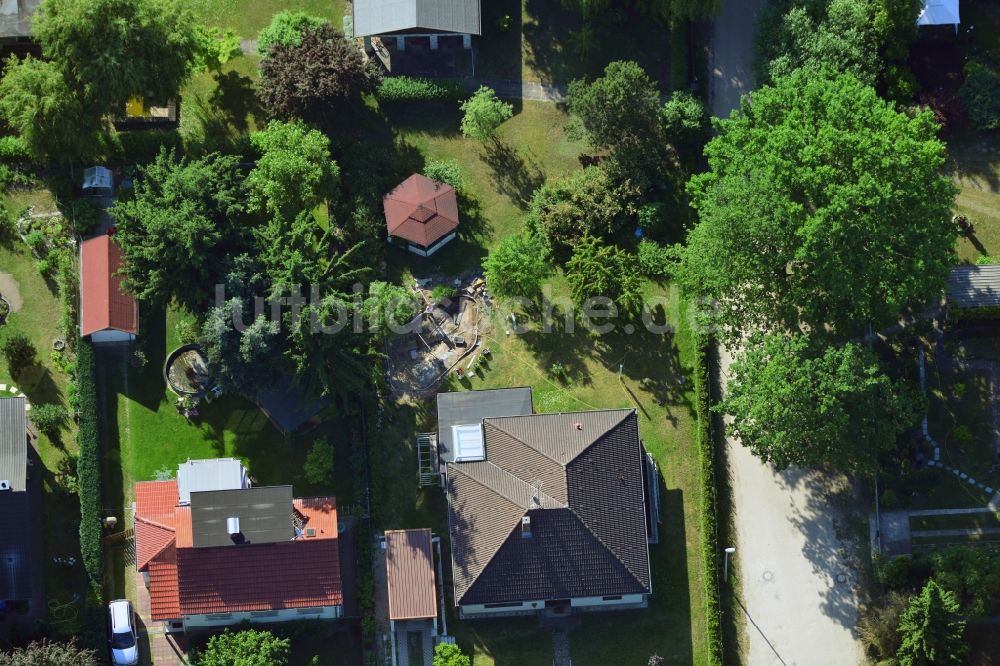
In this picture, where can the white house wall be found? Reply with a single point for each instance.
(581, 603)
(262, 617)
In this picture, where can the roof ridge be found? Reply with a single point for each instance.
(544, 495)
(518, 439)
(627, 412)
(154, 523)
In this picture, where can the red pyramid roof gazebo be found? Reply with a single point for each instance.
(422, 212)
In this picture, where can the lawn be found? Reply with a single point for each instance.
(540, 40)
(975, 163)
(247, 17)
(45, 383)
(500, 179)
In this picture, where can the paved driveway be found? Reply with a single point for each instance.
(797, 592)
(732, 55)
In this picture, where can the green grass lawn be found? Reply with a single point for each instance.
(45, 383)
(975, 162)
(247, 17)
(539, 40)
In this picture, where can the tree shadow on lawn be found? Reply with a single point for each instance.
(515, 176)
(631, 637)
(619, 34)
(235, 97)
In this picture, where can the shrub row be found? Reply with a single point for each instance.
(411, 89)
(708, 507)
(89, 467)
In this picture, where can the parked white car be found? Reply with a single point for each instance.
(121, 629)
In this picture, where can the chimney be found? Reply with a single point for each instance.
(233, 527)
(526, 527)
(4, 485)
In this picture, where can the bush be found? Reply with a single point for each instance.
(879, 627)
(250, 647)
(889, 501)
(138, 144)
(19, 352)
(958, 389)
(980, 95)
(684, 119)
(962, 435)
(66, 471)
(653, 218)
(445, 171)
(36, 242)
(49, 653)
(441, 292)
(14, 149)
(319, 464)
(48, 418)
(89, 468)
(449, 654)
(395, 89)
(654, 260)
(286, 29)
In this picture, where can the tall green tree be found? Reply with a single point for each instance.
(110, 50)
(794, 402)
(483, 113)
(823, 207)
(931, 629)
(618, 108)
(38, 104)
(294, 172)
(662, 9)
(584, 202)
(621, 112)
(318, 79)
(178, 227)
(388, 308)
(517, 266)
(250, 647)
(240, 360)
(599, 270)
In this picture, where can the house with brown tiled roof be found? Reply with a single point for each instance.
(547, 512)
(215, 551)
(412, 593)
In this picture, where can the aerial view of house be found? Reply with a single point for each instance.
(20, 511)
(464, 333)
(215, 551)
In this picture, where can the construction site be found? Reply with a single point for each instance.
(446, 337)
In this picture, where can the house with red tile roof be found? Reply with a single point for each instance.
(422, 213)
(229, 552)
(107, 312)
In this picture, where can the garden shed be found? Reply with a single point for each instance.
(108, 313)
(423, 213)
(939, 12)
(974, 287)
(97, 180)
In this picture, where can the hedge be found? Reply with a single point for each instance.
(89, 467)
(708, 508)
(679, 55)
(411, 89)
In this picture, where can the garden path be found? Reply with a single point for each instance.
(10, 290)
